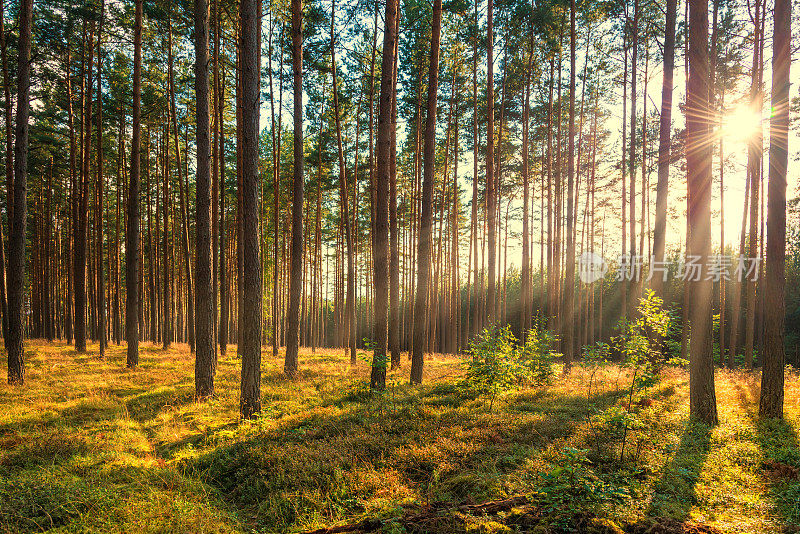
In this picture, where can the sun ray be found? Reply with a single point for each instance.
(741, 123)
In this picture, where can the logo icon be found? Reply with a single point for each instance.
(591, 267)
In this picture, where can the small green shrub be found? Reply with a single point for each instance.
(572, 486)
(642, 342)
(497, 363)
(536, 355)
(492, 368)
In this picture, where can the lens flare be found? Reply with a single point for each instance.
(741, 123)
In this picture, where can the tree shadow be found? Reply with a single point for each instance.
(54, 437)
(109, 497)
(780, 452)
(145, 407)
(168, 449)
(428, 444)
(675, 492)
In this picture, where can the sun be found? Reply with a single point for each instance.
(741, 123)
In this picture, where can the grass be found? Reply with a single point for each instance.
(87, 445)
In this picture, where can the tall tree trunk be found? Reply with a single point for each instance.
(151, 293)
(101, 292)
(633, 283)
(525, 274)
(551, 275)
(204, 312)
(223, 275)
(476, 318)
(73, 207)
(132, 234)
(350, 304)
(48, 234)
(429, 162)
(9, 166)
(558, 218)
(737, 284)
(9, 179)
(569, 282)
(455, 295)
(296, 283)
(772, 376)
(276, 163)
(702, 397)
(491, 199)
(380, 260)
(184, 200)
(251, 282)
(317, 238)
(716, 109)
(9, 108)
(9, 176)
(624, 167)
(754, 168)
(215, 177)
(394, 260)
(16, 249)
(166, 250)
(372, 156)
(118, 194)
(81, 237)
(664, 147)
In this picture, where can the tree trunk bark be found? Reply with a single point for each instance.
(429, 162)
(9, 169)
(394, 260)
(204, 312)
(223, 275)
(82, 213)
(291, 365)
(132, 233)
(754, 156)
(251, 283)
(350, 304)
(101, 292)
(633, 299)
(772, 375)
(184, 200)
(702, 397)
(16, 249)
(166, 315)
(491, 200)
(569, 282)
(664, 147)
(525, 274)
(380, 260)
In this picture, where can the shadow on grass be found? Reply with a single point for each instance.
(147, 406)
(778, 441)
(675, 492)
(779, 445)
(53, 438)
(104, 498)
(354, 459)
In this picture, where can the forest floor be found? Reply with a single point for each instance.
(88, 445)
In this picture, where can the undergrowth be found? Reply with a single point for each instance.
(87, 445)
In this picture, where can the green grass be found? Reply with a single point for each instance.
(87, 445)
